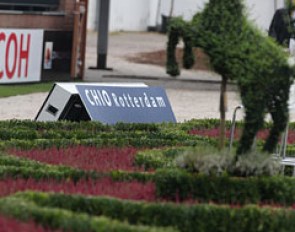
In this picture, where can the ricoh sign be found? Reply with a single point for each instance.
(126, 104)
(20, 55)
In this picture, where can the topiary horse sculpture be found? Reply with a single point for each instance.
(238, 51)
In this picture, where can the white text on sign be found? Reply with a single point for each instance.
(106, 99)
(20, 55)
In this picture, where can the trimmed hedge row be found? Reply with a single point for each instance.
(75, 175)
(116, 141)
(8, 134)
(170, 183)
(16, 167)
(66, 220)
(24, 168)
(158, 158)
(37, 174)
(15, 132)
(29, 134)
(90, 126)
(178, 184)
(202, 217)
(9, 160)
(95, 127)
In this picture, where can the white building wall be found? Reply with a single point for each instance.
(92, 15)
(184, 8)
(261, 12)
(154, 12)
(138, 15)
(129, 15)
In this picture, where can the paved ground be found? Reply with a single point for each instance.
(192, 95)
(123, 45)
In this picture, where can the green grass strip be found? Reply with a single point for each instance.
(14, 90)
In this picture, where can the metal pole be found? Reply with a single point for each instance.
(285, 142)
(233, 125)
(158, 14)
(103, 32)
(83, 39)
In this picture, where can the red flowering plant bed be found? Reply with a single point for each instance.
(214, 133)
(131, 190)
(11, 225)
(91, 164)
(84, 157)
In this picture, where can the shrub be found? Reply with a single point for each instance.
(205, 160)
(209, 161)
(157, 158)
(256, 164)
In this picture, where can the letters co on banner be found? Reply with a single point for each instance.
(20, 55)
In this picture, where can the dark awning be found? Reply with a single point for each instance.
(43, 3)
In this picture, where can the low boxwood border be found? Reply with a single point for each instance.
(179, 184)
(187, 218)
(66, 220)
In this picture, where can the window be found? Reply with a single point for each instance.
(29, 5)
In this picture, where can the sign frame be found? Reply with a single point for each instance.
(113, 104)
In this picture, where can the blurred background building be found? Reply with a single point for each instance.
(143, 15)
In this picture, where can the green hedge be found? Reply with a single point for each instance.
(94, 128)
(66, 220)
(170, 183)
(29, 134)
(178, 184)
(15, 167)
(198, 217)
(37, 174)
(138, 142)
(75, 175)
(159, 158)
(109, 139)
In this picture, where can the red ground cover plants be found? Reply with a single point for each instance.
(12, 225)
(85, 158)
(131, 190)
(214, 133)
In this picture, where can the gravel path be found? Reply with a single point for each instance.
(186, 104)
(21, 107)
